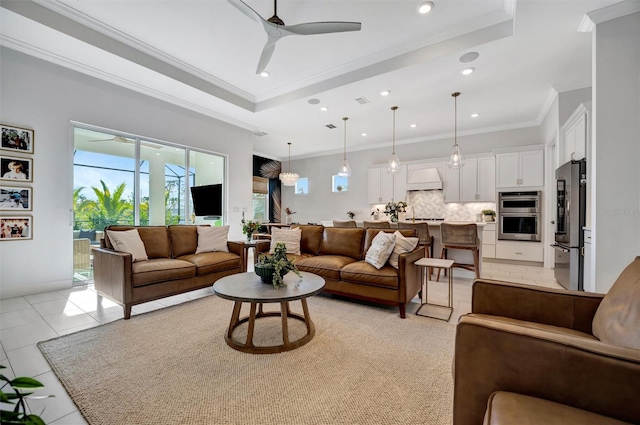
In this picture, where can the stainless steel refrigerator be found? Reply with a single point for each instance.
(570, 219)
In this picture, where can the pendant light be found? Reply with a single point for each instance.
(345, 169)
(394, 163)
(455, 159)
(289, 178)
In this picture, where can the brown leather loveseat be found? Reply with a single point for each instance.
(532, 355)
(338, 255)
(173, 266)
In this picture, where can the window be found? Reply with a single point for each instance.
(339, 184)
(302, 186)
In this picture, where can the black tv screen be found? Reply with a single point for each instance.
(207, 200)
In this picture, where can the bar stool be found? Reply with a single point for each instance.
(424, 238)
(376, 224)
(344, 223)
(460, 236)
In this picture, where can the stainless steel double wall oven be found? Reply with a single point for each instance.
(519, 216)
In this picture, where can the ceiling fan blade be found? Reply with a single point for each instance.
(247, 10)
(311, 28)
(267, 52)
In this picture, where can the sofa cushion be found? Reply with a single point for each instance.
(371, 233)
(87, 234)
(380, 249)
(363, 272)
(326, 266)
(506, 408)
(184, 240)
(617, 320)
(161, 270)
(310, 238)
(289, 237)
(403, 245)
(212, 239)
(128, 241)
(155, 239)
(210, 262)
(343, 242)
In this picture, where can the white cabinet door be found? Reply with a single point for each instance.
(451, 185)
(507, 169)
(569, 144)
(532, 168)
(387, 185)
(375, 186)
(469, 181)
(580, 138)
(487, 179)
(400, 184)
(588, 281)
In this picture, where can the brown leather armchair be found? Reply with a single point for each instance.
(526, 351)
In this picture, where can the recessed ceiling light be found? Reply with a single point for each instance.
(425, 7)
(413, 125)
(264, 74)
(475, 115)
(364, 134)
(385, 92)
(324, 108)
(314, 101)
(468, 71)
(469, 57)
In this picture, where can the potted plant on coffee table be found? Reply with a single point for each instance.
(272, 268)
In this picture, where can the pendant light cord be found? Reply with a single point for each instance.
(394, 108)
(455, 117)
(289, 143)
(344, 156)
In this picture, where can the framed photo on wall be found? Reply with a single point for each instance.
(15, 198)
(16, 228)
(16, 139)
(16, 169)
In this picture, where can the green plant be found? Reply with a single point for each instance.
(249, 227)
(280, 263)
(488, 212)
(393, 208)
(23, 389)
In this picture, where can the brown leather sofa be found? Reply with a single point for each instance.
(172, 268)
(530, 355)
(337, 254)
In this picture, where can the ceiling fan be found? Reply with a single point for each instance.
(121, 139)
(276, 29)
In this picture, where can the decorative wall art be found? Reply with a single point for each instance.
(15, 198)
(16, 228)
(16, 139)
(16, 169)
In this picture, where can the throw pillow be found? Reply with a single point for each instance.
(380, 249)
(212, 239)
(87, 234)
(617, 320)
(403, 246)
(128, 241)
(290, 237)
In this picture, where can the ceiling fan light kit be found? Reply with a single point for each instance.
(289, 178)
(456, 160)
(345, 169)
(394, 163)
(276, 29)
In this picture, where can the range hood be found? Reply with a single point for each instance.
(424, 179)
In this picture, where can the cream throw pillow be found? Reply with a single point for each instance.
(128, 241)
(290, 237)
(212, 239)
(380, 249)
(403, 246)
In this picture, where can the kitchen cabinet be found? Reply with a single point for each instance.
(385, 187)
(474, 182)
(588, 281)
(576, 133)
(489, 240)
(523, 251)
(520, 169)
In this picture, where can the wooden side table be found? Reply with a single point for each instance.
(427, 309)
(251, 244)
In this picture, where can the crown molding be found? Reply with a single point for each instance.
(608, 13)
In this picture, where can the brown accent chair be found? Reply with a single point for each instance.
(460, 236)
(533, 355)
(376, 224)
(344, 223)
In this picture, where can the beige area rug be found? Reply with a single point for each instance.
(365, 365)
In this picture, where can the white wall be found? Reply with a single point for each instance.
(615, 147)
(569, 101)
(45, 97)
(322, 204)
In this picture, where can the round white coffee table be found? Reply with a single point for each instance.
(248, 288)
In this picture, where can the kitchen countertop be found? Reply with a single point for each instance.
(359, 223)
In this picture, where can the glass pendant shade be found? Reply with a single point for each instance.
(345, 169)
(394, 162)
(456, 160)
(289, 178)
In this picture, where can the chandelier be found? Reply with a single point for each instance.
(289, 178)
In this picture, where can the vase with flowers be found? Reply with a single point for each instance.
(289, 213)
(272, 268)
(249, 227)
(392, 209)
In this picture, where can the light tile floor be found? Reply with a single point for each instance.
(24, 321)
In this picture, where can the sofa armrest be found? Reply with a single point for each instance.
(113, 274)
(410, 277)
(236, 247)
(564, 367)
(566, 309)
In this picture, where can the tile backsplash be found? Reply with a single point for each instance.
(430, 203)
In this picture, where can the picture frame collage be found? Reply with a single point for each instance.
(16, 172)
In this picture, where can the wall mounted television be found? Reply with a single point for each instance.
(207, 200)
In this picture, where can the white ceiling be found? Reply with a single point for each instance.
(202, 54)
